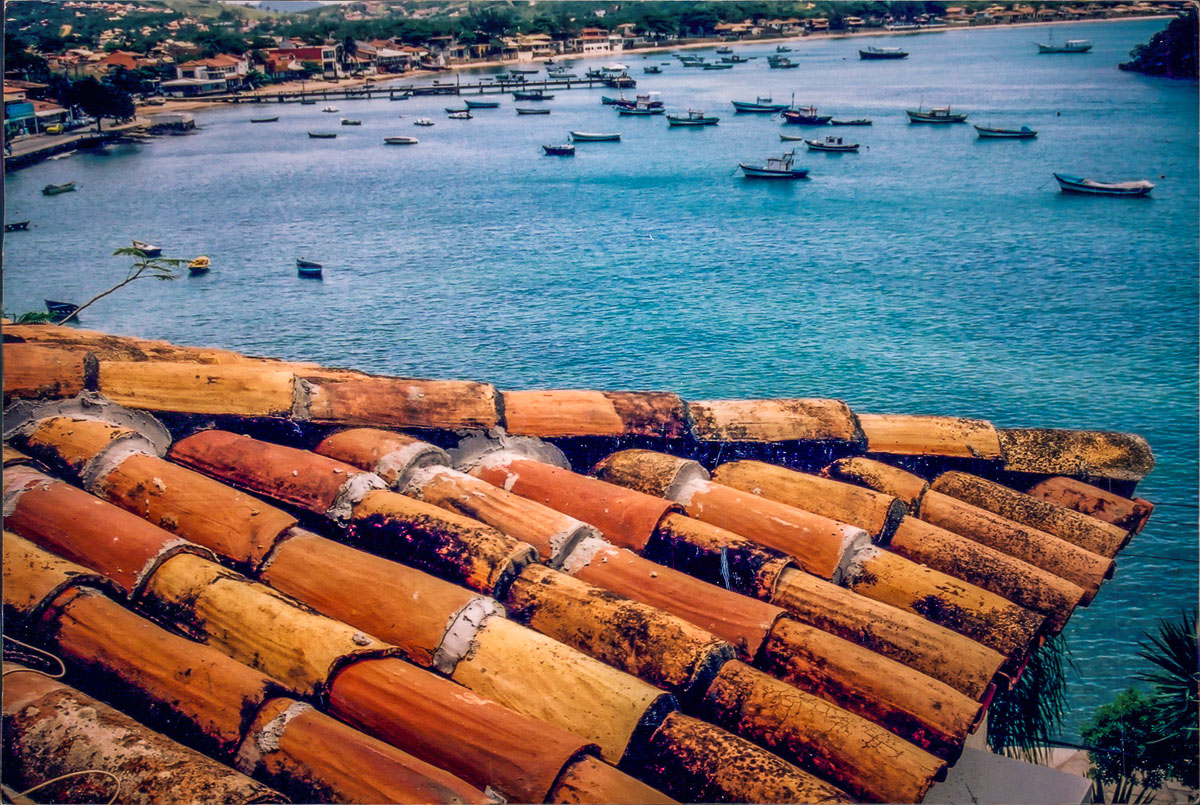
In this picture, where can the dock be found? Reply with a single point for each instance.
(393, 91)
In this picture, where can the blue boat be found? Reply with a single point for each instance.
(307, 268)
(531, 95)
(482, 104)
(1023, 133)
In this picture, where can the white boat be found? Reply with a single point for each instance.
(422, 121)
(595, 137)
(401, 140)
(694, 117)
(459, 115)
(330, 109)
(148, 249)
(831, 143)
(1071, 45)
(780, 167)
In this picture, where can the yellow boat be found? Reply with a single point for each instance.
(199, 266)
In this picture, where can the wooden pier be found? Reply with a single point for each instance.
(395, 92)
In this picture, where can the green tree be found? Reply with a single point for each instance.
(101, 100)
(25, 63)
(1175, 680)
(158, 268)
(1120, 735)
(1023, 719)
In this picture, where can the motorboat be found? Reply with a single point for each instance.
(694, 117)
(869, 54)
(936, 114)
(401, 140)
(781, 167)
(989, 133)
(1092, 187)
(595, 137)
(563, 150)
(148, 249)
(199, 266)
(422, 121)
(762, 104)
(806, 116)
(832, 144)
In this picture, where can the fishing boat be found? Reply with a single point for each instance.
(792, 138)
(17, 226)
(622, 81)
(805, 116)
(60, 310)
(651, 100)
(781, 63)
(199, 266)
(531, 95)
(595, 137)
(869, 54)
(55, 189)
(775, 168)
(323, 135)
(521, 111)
(832, 144)
(862, 121)
(725, 49)
(349, 122)
(330, 109)
(403, 97)
(307, 102)
(783, 49)
(451, 110)
(563, 150)
(307, 268)
(596, 73)
(640, 111)
(1092, 187)
(651, 68)
(1071, 46)
(563, 75)
(610, 101)
(988, 133)
(694, 117)
(422, 121)
(401, 140)
(264, 119)
(148, 249)
(716, 66)
(523, 70)
(463, 115)
(735, 59)
(762, 104)
(936, 114)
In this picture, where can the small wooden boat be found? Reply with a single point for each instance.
(609, 101)
(793, 138)
(622, 81)
(523, 70)
(404, 97)
(781, 63)
(463, 115)
(307, 102)
(1092, 187)
(264, 119)
(988, 133)
(832, 144)
(148, 249)
(641, 111)
(330, 109)
(564, 150)
(862, 121)
(651, 68)
(869, 54)
(422, 121)
(482, 104)
(717, 66)
(323, 135)
(531, 95)
(806, 116)
(762, 104)
(725, 49)
(55, 189)
(595, 137)
(937, 114)
(562, 75)
(783, 49)
(199, 266)
(596, 73)
(60, 310)
(734, 59)
(348, 122)
(775, 168)
(451, 110)
(401, 140)
(521, 111)
(17, 226)
(694, 117)
(307, 268)
(1071, 46)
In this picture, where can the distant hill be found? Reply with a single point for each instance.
(1171, 53)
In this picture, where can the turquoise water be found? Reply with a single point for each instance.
(930, 273)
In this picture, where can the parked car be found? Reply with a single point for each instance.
(54, 128)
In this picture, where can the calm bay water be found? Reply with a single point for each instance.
(930, 273)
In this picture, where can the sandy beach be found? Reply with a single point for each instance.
(318, 85)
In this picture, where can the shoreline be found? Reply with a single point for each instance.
(298, 86)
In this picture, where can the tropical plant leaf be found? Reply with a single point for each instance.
(1025, 718)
